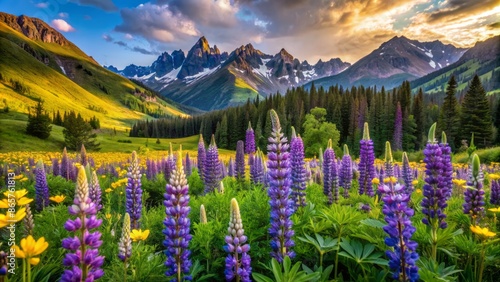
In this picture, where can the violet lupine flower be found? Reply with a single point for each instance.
(177, 225)
(495, 192)
(212, 168)
(389, 162)
(407, 174)
(249, 140)
(447, 168)
(201, 156)
(84, 258)
(366, 163)
(398, 129)
(237, 260)
(474, 195)
(133, 192)
(298, 171)
(280, 181)
(187, 165)
(95, 191)
(257, 170)
(403, 255)
(345, 177)
(41, 187)
(65, 167)
(434, 190)
(83, 156)
(240, 160)
(328, 167)
(231, 171)
(125, 243)
(55, 167)
(148, 169)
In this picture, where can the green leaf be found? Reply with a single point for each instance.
(261, 278)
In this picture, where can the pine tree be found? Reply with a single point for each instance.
(39, 123)
(398, 129)
(449, 116)
(418, 115)
(78, 132)
(475, 117)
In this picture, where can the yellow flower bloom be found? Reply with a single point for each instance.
(458, 182)
(391, 179)
(6, 219)
(418, 191)
(414, 182)
(482, 232)
(31, 248)
(139, 235)
(495, 209)
(18, 194)
(375, 181)
(103, 176)
(494, 176)
(24, 179)
(58, 199)
(109, 190)
(4, 204)
(108, 216)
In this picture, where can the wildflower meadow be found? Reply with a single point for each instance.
(249, 215)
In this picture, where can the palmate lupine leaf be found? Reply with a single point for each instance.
(361, 254)
(286, 273)
(323, 245)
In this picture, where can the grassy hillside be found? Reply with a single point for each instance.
(67, 79)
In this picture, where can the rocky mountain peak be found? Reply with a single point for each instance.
(200, 57)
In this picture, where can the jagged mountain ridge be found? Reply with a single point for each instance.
(394, 61)
(251, 73)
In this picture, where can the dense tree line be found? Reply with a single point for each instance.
(396, 115)
(59, 119)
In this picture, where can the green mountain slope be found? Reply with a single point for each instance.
(56, 71)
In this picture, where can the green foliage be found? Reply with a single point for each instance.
(317, 132)
(39, 123)
(196, 186)
(429, 271)
(77, 132)
(286, 273)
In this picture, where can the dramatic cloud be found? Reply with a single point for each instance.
(106, 5)
(62, 25)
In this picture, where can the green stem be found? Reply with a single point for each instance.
(29, 269)
(125, 270)
(481, 262)
(321, 259)
(364, 273)
(24, 270)
(337, 254)
(434, 241)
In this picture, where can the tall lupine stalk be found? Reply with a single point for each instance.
(133, 192)
(403, 255)
(328, 165)
(389, 162)
(240, 161)
(474, 195)
(237, 261)
(298, 170)
(55, 167)
(187, 165)
(125, 244)
(41, 187)
(203, 215)
(65, 167)
(280, 181)
(447, 168)
(231, 171)
(398, 129)
(345, 177)
(257, 169)
(407, 174)
(83, 156)
(169, 164)
(212, 174)
(177, 225)
(84, 259)
(435, 189)
(28, 222)
(95, 191)
(201, 156)
(495, 191)
(366, 163)
(249, 140)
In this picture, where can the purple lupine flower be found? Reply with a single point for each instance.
(133, 192)
(65, 167)
(298, 171)
(55, 167)
(495, 192)
(148, 169)
(447, 168)
(237, 260)
(366, 163)
(177, 225)
(41, 187)
(397, 170)
(95, 191)
(231, 171)
(257, 170)
(212, 168)
(187, 165)
(280, 181)
(249, 140)
(474, 196)
(389, 162)
(240, 160)
(407, 174)
(398, 129)
(345, 178)
(201, 156)
(435, 190)
(83, 156)
(125, 243)
(403, 255)
(328, 166)
(84, 258)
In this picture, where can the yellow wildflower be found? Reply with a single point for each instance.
(482, 232)
(418, 191)
(495, 209)
(6, 219)
(108, 216)
(108, 190)
(31, 248)
(139, 235)
(58, 199)
(414, 182)
(375, 181)
(391, 179)
(494, 176)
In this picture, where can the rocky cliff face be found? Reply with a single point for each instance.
(200, 57)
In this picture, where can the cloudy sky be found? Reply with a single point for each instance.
(121, 32)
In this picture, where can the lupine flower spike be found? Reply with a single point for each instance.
(389, 162)
(177, 225)
(446, 174)
(240, 161)
(84, 258)
(133, 192)
(407, 174)
(212, 171)
(474, 194)
(125, 243)
(237, 261)
(201, 156)
(203, 215)
(41, 187)
(278, 164)
(298, 170)
(95, 191)
(366, 163)
(345, 177)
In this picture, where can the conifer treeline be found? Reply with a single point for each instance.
(60, 120)
(396, 116)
